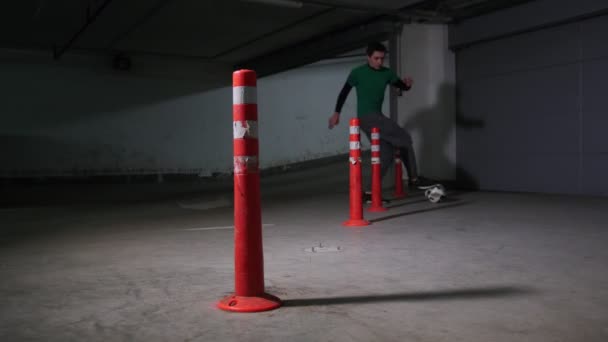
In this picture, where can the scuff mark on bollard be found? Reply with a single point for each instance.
(245, 129)
(245, 164)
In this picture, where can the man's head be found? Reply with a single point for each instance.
(375, 55)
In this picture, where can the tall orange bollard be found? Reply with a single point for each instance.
(376, 173)
(249, 293)
(356, 200)
(399, 193)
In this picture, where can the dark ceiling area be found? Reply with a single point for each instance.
(232, 32)
(458, 10)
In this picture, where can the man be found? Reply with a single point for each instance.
(371, 80)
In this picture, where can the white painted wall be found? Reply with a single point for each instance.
(297, 105)
(80, 117)
(428, 109)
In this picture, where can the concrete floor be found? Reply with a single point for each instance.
(149, 262)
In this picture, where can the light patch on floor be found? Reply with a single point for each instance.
(221, 202)
(223, 227)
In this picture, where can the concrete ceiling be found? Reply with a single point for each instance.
(235, 32)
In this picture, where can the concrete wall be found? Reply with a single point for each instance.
(80, 117)
(427, 111)
(540, 100)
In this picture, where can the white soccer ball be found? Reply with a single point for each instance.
(435, 194)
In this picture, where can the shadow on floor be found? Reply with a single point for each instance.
(450, 204)
(403, 204)
(473, 293)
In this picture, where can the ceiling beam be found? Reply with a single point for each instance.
(319, 48)
(273, 32)
(90, 19)
(404, 13)
(160, 4)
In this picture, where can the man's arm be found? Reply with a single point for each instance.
(407, 85)
(335, 118)
(342, 97)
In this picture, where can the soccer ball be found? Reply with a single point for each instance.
(435, 194)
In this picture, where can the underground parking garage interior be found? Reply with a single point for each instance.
(168, 171)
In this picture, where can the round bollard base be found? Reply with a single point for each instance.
(356, 223)
(376, 209)
(265, 302)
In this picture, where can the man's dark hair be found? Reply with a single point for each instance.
(375, 46)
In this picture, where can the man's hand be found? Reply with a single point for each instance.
(334, 120)
(408, 81)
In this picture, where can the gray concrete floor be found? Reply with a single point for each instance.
(149, 262)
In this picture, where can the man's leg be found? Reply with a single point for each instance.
(366, 181)
(387, 154)
(366, 123)
(400, 138)
(408, 158)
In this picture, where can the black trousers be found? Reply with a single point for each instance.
(392, 137)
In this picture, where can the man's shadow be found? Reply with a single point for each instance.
(436, 133)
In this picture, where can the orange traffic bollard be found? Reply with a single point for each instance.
(249, 293)
(356, 195)
(376, 173)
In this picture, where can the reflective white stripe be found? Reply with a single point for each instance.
(244, 95)
(353, 160)
(245, 129)
(355, 145)
(375, 135)
(375, 160)
(375, 148)
(354, 129)
(245, 164)
(397, 160)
